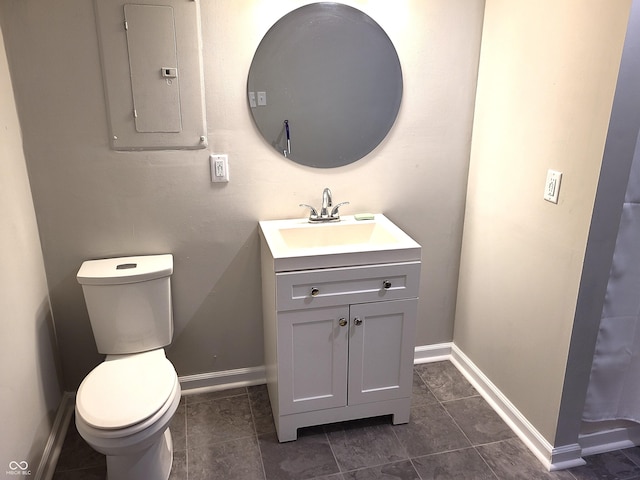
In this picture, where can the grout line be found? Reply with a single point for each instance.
(335, 459)
(414, 467)
(485, 462)
(186, 439)
(623, 451)
(441, 403)
(255, 429)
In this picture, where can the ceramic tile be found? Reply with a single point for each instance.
(392, 471)
(421, 394)
(430, 430)
(309, 456)
(76, 453)
(179, 466)
(261, 409)
(460, 464)
(218, 420)
(233, 460)
(178, 428)
(510, 459)
(93, 473)
(480, 423)
(214, 437)
(364, 443)
(445, 381)
(607, 466)
(633, 454)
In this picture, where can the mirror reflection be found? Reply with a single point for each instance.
(325, 85)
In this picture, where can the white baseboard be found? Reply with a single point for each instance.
(553, 458)
(52, 449)
(213, 381)
(432, 353)
(609, 440)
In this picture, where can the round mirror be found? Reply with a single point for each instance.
(325, 85)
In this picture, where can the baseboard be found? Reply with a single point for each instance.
(213, 381)
(609, 440)
(52, 449)
(553, 458)
(432, 353)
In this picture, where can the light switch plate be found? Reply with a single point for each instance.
(219, 168)
(552, 186)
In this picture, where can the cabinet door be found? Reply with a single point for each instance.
(381, 350)
(312, 359)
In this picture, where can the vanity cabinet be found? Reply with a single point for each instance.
(339, 342)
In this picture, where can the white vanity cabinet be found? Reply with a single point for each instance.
(339, 342)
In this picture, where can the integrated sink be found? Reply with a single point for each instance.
(297, 244)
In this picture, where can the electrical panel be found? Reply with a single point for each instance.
(152, 69)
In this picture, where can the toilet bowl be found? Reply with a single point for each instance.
(123, 410)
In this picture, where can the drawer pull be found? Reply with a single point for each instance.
(357, 321)
(315, 291)
(342, 322)
(386, 284)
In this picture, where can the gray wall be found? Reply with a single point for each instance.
(544, 99)
(30, 385)
(92, 202)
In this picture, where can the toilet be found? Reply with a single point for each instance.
(125, 404)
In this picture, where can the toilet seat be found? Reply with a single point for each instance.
(125, 390)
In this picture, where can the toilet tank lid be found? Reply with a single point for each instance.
(122, 270)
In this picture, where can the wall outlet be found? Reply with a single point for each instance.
(552, 186)
(219, 168)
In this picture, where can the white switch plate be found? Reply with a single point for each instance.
(262, 98)
(552, 186)
(219, 168)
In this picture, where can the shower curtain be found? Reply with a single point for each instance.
(614, 386)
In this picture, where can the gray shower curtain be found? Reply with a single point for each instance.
(614, 386)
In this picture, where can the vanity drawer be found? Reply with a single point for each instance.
(347, 285)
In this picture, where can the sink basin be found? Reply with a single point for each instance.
(297, 244)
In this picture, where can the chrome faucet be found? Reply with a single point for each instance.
(327, 202)
(325, 215)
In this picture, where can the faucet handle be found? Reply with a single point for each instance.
(314, 212)
(334, 212)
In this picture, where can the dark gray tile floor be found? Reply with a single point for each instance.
(453, 434)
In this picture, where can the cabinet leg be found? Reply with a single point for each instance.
(286, 433)
(401, 416)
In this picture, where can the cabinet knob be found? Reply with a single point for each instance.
(357, 321)
(386, 284)
(315, 291)
(343, 322)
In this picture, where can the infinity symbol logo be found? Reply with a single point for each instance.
(13, 465)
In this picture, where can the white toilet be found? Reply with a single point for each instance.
(125, 404)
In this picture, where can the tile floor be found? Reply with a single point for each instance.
(452, 434)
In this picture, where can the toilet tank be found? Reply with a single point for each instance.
(129, 302)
